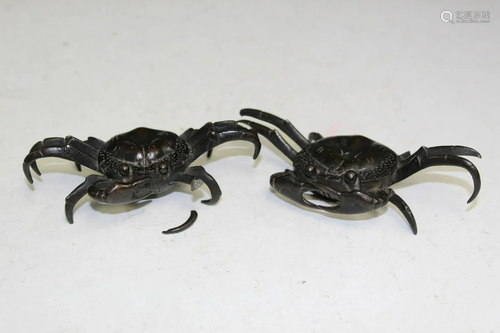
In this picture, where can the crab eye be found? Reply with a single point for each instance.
(310, 171)
(124, 170)
(163, 168)
(350, 177)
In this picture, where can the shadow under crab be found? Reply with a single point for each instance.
(141, 163)
(352, 174)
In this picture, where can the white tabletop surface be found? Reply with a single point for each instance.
(254, 262)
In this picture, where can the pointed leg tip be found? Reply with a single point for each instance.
(208, 202)
(405, 210)
(256, 152)
(69, 212)
(473, 196)
(27, 173)
(29, 178)
(473, 152)
(34, 166)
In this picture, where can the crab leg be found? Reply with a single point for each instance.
(442, 155)
(213, 134)
(405, 210)
(95, 143)
(68, 148)
(284, 125)
(197, 176)
(78, 193)
(275, 138)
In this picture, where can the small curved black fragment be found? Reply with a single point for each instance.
(186, 225)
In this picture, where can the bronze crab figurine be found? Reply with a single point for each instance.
(140, 163)
(352, 173)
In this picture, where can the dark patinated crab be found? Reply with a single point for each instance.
(352, 173)
(140, 163)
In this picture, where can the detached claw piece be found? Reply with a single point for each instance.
(186, 225)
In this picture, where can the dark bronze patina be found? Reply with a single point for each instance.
(353, 174)
(140, 163)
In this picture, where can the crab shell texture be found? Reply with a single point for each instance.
(137, 164)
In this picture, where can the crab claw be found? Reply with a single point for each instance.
(109, 192)
(287, 184)
(341, 202)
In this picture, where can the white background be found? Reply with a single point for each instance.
(254, 262)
